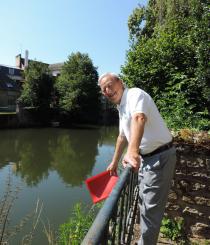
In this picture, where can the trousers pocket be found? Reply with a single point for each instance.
(152, 163)
(152, 171)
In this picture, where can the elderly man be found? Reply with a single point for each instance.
(149, 150)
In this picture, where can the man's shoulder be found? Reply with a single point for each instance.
(136, 91)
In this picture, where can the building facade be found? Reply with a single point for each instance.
(10, 86)
(11, 80)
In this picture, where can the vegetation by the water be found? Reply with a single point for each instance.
(74, 230)
(71, 232)
(6, 204)
(74, 94)
(37, 86)
(169, 58)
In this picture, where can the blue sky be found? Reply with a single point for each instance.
(52, 29)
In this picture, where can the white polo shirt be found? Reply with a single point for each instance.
(156, 133)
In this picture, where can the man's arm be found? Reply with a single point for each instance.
(120, 146)
(137, 129)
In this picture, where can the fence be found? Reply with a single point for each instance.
(115, 220)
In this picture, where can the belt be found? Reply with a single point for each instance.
(159, 149)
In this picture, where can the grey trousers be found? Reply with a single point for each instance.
(155, 177)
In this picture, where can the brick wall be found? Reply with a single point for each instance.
(190, 194)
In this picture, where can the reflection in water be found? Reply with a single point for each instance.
(73, 155)
(51, 164)
(35, 152)
(28, 151)
(108, 135)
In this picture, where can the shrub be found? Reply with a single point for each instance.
(172, 229)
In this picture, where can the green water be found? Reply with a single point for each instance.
(51, 165)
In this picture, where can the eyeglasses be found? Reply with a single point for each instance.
(107, 85)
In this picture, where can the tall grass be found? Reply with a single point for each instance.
(7, 201)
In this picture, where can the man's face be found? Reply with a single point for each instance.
(112, 89)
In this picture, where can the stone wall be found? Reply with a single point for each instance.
(8, 120)
(25, 117)
(190, 194)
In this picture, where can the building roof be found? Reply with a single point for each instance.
(6, 70)
(8, 66)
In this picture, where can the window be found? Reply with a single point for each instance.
(9, 85)
(12, 100)
(11, 71)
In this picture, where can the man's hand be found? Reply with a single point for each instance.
(112, 168)
(133, 159)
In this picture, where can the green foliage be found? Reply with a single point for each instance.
(77, 87)
(73, 231)
(134, 22)
(37, 87)
(172, 229)
(168, 58)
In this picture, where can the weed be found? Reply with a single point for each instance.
(172, 229)
(73, 231)
(6, 204)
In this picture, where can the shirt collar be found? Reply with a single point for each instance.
(123, 98)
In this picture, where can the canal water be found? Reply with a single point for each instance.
(51, 165)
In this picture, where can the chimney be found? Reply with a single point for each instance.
(26, 59)
(18, 60)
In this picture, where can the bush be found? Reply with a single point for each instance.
(73, 231)
(172, 229)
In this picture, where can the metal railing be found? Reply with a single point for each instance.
(115, 220)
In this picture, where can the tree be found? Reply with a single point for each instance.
(77, 88)
(168, 57)
(37, 86)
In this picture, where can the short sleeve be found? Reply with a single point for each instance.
(121, 131)
(139, 101)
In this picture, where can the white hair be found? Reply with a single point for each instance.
(108, 74)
